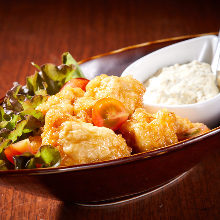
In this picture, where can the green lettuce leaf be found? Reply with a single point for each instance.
(47, 156)
(49, 78)
(18, 115)
(3, 165)
(23, 161)
(69, 60)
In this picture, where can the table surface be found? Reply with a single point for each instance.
(41, 31)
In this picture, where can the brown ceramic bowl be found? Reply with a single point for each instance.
(122, 177)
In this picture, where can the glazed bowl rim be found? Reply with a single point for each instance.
(134, 157)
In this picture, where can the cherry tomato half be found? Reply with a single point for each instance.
(77, 82)
(17, 149)
(110, 113)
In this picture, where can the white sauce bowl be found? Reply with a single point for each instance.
(201, 49)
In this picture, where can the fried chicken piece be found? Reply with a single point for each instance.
(80, 142)
(186, 129)
(84, 143)
(146, 132)
(125, 89)
(64, 99)
(83, 108)
(53, 120)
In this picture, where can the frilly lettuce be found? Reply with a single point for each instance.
(47, 156)
(18, 115)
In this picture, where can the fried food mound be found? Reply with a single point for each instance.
(69, 126)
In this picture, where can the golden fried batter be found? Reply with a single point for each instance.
(53, 119)
(145, 132)
(80, 142)
(84, 143)
(65, 99)
(125, 89)
(83, 108)
(186, 129)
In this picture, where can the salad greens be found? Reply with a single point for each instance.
(47, 156)
(18, 115)
(3, 165)
(50, 78)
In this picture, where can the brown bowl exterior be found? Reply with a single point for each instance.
(118, 178)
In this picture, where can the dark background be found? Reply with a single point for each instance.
(41, 31)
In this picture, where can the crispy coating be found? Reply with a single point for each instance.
(64, 99)
(186, 129)
(84, 143)
(125, 89)
(80, 142)
(147, 132)
(83, 108)
(53, 120)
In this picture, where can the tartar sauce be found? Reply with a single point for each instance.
(181, 84)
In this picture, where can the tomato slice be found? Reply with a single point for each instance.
(77, 82)
(17, 149)
(10, 152)
(110, 113)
